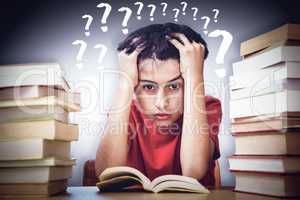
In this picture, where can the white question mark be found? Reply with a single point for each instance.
(104, 28)
(153, 7)
(216, 14)
(165, 5)
(221, 73)
(141, 5)
(184, 6)
(128, 13)
(226, 42)
(81, 51)
(195, 13)
(88, 23)
(207, 20)
(176, 10)
(102, 52)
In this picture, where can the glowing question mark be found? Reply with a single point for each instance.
(221, 73)
(153, 7)
(128, 13)
(88, 23)
(176, 10)
(81, 51)
(195, 13)
(104, 28)
(226, 42)
(207, 20)
(102, 52)
(141, 5)
(165, 5)
(184, 6)
(216, 14)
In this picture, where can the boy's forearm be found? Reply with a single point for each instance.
(195, 142)
(113, 147)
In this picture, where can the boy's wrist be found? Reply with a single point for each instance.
(125, 85)
(193, 78)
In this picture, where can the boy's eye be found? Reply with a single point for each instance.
(149, 87)
(173, 86)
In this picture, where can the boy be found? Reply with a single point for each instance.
(169, 126)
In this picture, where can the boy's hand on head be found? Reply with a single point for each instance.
(128, 66)
(191, 56)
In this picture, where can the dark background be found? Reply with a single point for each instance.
(44, 19)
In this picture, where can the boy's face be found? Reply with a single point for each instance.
(160, 90)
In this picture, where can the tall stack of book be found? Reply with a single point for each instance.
(35, 135)
(265, 114)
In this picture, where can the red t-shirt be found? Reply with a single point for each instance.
(155, 153)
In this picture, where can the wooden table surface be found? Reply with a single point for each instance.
(92, 193)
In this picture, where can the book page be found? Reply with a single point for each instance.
(164, 178)
(180, 186)
(124, 171)
(118, 183)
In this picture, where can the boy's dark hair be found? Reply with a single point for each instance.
(153, 39)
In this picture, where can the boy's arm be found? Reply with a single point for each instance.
(196, 146)
(113, 146)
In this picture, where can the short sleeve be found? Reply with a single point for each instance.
(214, 116)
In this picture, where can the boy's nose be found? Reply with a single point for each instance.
(161, 100)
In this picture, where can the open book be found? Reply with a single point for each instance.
(122, 178)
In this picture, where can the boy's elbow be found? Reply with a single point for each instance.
(101, 163)
(194, 172)
(98, 167)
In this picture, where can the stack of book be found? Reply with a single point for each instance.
(35, 135)
(265, 114)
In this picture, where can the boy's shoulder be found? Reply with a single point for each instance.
(212, 100)
(213, 106)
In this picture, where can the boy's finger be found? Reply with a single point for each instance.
(196, 44)
(137, 51)
(183, 38)
(139, 48)
(123, 52)
(176, 43)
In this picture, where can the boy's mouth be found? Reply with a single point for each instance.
(162, 116)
